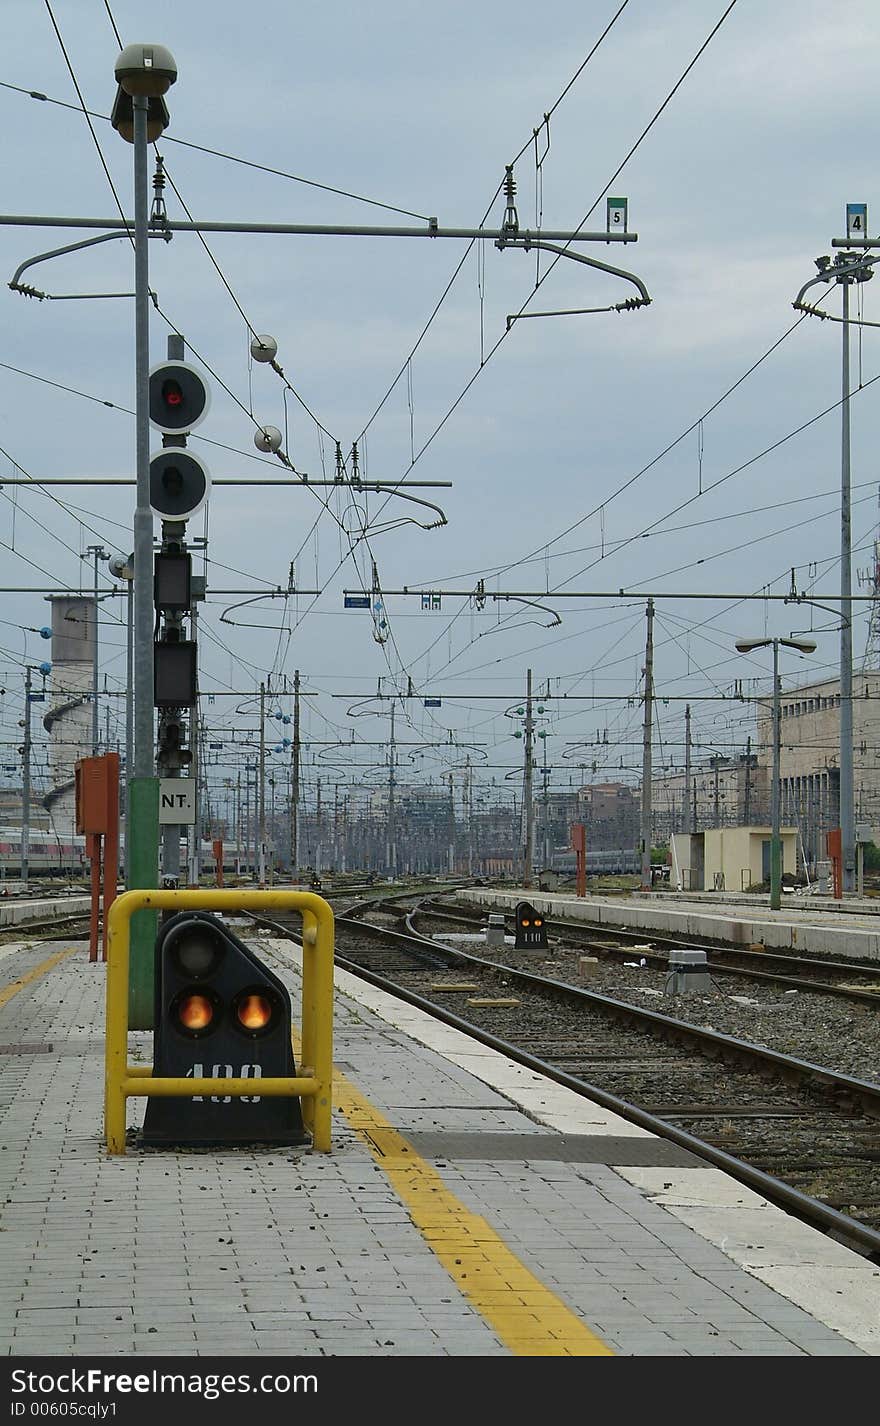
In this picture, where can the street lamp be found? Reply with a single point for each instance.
(804, 646)
(847, 267)
(144, 73)
(99, 554)
(44, 668)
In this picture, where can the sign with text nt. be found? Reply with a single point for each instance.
(177, 800)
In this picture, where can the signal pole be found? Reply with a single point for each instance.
(294, 781)
(392, 836)
(261, 814)
(451, 824)
(689, 826)
(26, 782)
(646, 750)
(528, 807)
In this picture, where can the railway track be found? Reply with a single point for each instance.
(858, 981)
(71, 927)
(805, 1136)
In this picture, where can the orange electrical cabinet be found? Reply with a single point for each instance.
(97, 794)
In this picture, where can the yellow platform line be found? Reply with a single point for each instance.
(42, 969)
(530, 1319)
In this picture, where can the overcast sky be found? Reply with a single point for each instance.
(596, 452)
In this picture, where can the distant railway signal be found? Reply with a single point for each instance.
(531, 929)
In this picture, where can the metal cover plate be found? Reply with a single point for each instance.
(629, 1151)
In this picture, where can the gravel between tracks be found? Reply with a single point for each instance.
(838, 1034)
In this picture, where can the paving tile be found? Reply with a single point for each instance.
(304, 1254)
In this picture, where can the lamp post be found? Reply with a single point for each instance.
(29, 696)
(144, 73)
(846, 268)
(99, 553)
(804, 646)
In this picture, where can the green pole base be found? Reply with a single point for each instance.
(143, 872)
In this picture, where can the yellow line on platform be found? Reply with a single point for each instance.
(530, 1319)
(42, 969)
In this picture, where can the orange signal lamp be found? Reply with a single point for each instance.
(195, 1012)
(254, 1012)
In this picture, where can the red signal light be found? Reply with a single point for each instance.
(172, 394)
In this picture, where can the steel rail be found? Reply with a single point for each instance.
(592, 940)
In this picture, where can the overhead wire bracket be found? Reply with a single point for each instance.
(525, 244)
(28, 291)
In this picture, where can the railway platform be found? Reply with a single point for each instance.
(467, 1208)
(18, 909)
(841, 929)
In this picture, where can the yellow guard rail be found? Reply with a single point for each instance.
(314, 1083)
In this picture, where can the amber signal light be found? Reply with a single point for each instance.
(195, 1012)
(254, 1011)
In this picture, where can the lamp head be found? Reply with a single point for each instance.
(145, 69)
(122, 566)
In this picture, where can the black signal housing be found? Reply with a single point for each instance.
(219, 1013)
(531, 928)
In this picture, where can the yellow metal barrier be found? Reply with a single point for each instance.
(313, 1085)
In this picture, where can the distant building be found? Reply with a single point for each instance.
(724, 792)
(809, 757)
(611, 813)
(732, 792)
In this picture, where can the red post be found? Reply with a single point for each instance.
(217, 848)
(97, 815)
(93, 852)
(579, 844)
(833, 842)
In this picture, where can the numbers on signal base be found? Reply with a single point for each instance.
(225, 1072)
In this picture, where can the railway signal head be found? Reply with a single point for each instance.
(179, 397)
(220, 1013)
(179, 483)
(531, 929)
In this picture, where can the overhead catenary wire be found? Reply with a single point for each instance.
(503, 336)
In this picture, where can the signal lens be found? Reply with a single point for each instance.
(255, 1010)
(525, 921)
(197, 952)
(172, 394)
(195, 1012)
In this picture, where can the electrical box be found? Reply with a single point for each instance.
(97, 794)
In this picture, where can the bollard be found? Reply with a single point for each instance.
(495, 929)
